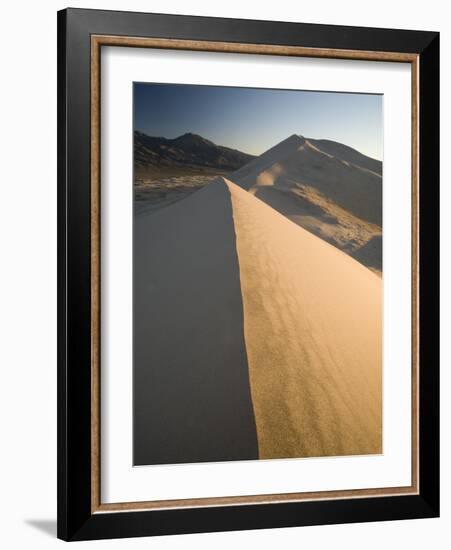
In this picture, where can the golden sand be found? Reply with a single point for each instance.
(313, 333)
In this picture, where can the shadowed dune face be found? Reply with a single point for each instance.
(325, 219)
(334, 192)
(192, 398)
(370, 253)
(312, 322)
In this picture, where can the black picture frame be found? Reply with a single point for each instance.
(76, 520)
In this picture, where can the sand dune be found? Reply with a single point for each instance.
(246, 176)
(312, 322)
(325, 187)
(252, 337)
(297, 160)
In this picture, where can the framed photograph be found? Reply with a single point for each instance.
(248, 274)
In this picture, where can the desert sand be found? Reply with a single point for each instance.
(312, 324)
(253, 338)
(161, 190)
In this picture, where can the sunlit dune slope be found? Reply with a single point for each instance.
(312, 325)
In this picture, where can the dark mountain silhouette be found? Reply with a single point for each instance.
(189, 150)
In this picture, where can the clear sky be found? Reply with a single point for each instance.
(254, 119)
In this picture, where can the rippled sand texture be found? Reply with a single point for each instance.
(312, 325)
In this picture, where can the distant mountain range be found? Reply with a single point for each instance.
(188, 150)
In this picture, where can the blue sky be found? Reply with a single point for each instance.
(253, 120)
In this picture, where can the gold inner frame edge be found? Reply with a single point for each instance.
(97, 41)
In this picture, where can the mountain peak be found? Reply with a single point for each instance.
(275, 154)
(189, 137)
(295, 138)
